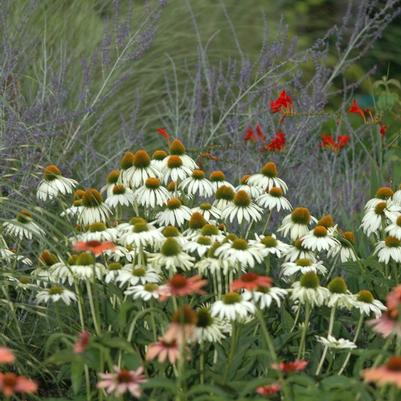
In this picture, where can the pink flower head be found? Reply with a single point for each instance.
(293, 366)
(390, 373)
(385, 325)
(250, 282)
(96, 247)
(163, 351)
(355, 108)
(269, 389)
(179, 286)
(82, 342)
(11, 384)
(122, 381)
(394, 301)
(282, 103)
(182, 326)
(6, 355)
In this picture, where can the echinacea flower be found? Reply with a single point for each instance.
(200, 247)
(141, 234)
(197, 185)
(122, 381)
(218, 179)
(340, 296)
(96, 247)
(224, 197)
(56, 293)
(54, 184)
(319, 239)
(298, 365)
(308, 290)
(11, 384)
(251, 281)
(6, 355)
(82, 342)
(390, 373)
(152, 194)
(121, 196)
(23, 226)
(174, 169)
(242, 209)
(209, 328)
(273, 199)
(232, 307)
(146, 292)
(383, 194)
(386, 325)
(179, 286)
(389, 249)
(177, 148)
(303, 265)
(268, 178)
(296, 251)
(333, 343)
(175, 214)
(207, 211)
(182, 326)
(252, 190)
(375, 216)
(164, 351)
(295, 225)
(93, 208)
(344, 248)
(268, 389)
(269, 245)
(99, 232)
(135, 274)
(264, 297)
(111, 181)
(157, 158)
(394, 229)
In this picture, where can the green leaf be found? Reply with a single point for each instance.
(77, 373)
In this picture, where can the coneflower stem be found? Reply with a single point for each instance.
(358, 329)
(202, 362)
(267, 222)
(331, 324)
(92, 307)
(233, 345)
(332, 267)
(301, 349)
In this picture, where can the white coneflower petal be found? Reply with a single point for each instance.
(175, 214)
(264, 297)
(54, 294)
(152, 194)
(242, 209)
(197, 185)
(332, 342)
(375, 216)
(319, 240)
(54, 184)
(267, 178)
(232, 307)
(273, 199)
(367, 304)
(389, 249)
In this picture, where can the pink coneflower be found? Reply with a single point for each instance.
(10, 384)
(122, 381)
(6, 355)
(179, 286)
(386, 325)
(269, 389)
(293, 366)
(96, 247)
(394, 301)
(82, 342)
(182, 326)
(250, 282)
(390, 373)
(164, 351)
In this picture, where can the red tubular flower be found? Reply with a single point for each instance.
(342, 141)
(163, 133)
(251, 281)
(355, 108)
(96, 247)
(282, 103)
(382, 129)
(250, 135)
(329, 143)
(288, 367)
(277, 143)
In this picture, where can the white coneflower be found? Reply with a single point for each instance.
(145, 292)
(76, 207)
(199, 247)
(319, 240)
(21, 282)
(112, 272)
(129, 253)
(213, 232)
(389, 249)
(212, 264)
(308, 290)
(218, 179)
(98, 232)
(133, 275)
(175, 214)
(242, 209)
(332, 342)
(394, 229)
(171, 232)
(297, 251)
(55, 293)
(374, 217)
(232, 307)
(47, 263)
(208, 211)
(197, 185)
(171, 257)
(157, 159)
(173, 190)
(136, 169)
(397, 196)
(273, 199)
(303, 266)
(82, 267)
(111, 180)
(269, 245)
(140, 234)
(175, 170)
(195, 224)
(382, 194)
(22, 226)
(177, 148)
(344, 248)
(152, 194)
(267, 178)
(253, 191)
(121, 196)
(8, 256)
(224, 197)
(93, 209)
(208, 328)
(265, 296)
(240, 252)
(54, 184)
(367, 304)
(340, 296)
(295, 225)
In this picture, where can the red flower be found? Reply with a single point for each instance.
(179, 286)
(382, 129)
(96, 247)
(251, 281)
(268, 389)
(11, 384)
(282, 103)
(355, 108)
(294, 366)
(329, 143)
(82, 342)
(163, 133)
(277, 143)
(250, 135)
(260, 134)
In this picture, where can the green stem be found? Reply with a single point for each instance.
(202, 362)
(331, 324)
(92, 308)
(232, 350)
(301, 349)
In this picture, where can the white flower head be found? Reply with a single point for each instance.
(333, 343)
(175, 170)
(218, 179)
(297, 251)
(209, 328)
(98, 232)
(141, 234)
(112, 179)
(232, 307)
(296, 224)
(319, 239)
(175, 214)
(23, 227)
(394, 229)
(273, 199)
(308, 290)
(339, 295)
(268, 178)
(152, 194)
(54, 184)
(253, 191)
(177, 148)
(375, 216)
(264, 297)
(121, 196)
(134, 274)
(344, 248)
(367, 304)
(54, 294)
(389, 250)
(242, 209)
(224, 197)
(382, 194)
(93, 208)
(146, 292)
(269, 245)
(197, 185)
(302, 266)
(208, 211)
